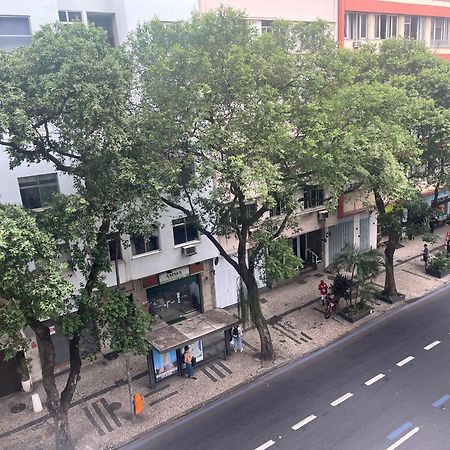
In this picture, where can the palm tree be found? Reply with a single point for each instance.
(363, 268)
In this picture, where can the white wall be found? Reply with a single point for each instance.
(9, 186)
(130, 12)
(40, 12)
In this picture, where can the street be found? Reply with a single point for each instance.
(386, 385)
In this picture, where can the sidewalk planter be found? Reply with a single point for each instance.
(439, 266)
(391, 300)
(26, 385)
(437, 273)
(356, 312)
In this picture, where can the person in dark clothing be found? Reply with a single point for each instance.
(425, 254)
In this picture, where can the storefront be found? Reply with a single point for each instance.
(208, 337)
(176, 293)
(9, 376)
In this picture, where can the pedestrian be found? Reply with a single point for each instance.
(188, 359)
(236, 334)
(448, 247)
(425, 254)
(323, 289)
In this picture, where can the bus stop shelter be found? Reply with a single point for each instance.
(208, 335)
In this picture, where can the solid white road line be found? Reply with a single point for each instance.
(403, 439)
(374, 379)
(341, 399)
(405, 361)
(433, 344)
(303, 422)
(265, 445)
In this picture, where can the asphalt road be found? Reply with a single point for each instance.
(383, 387)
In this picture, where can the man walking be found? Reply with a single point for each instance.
(425, 254)
(323, 289)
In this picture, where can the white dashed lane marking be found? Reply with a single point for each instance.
(374, 379)
(403, 439)
(341, 399)
(265, 445)
(405, 361)
(433, 344)
(304, 422)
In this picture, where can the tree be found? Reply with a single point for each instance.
(409, 64)
(363, 267)
(32, 282)
(66, 100)
(376, 122)
(236, 120)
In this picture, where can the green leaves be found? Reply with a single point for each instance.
(32, 285)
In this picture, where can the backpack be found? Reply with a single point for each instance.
(235, 332)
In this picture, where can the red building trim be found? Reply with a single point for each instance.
(377, 6)
(341, 22)
(385, 7)
(340, 211)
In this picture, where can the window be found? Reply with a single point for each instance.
(313, 196)
(113, 254)
(266, 26)
(36, 191)
(278, 209)
(385, 26)
(413, 27)
(69, 16)
(105, 21)
(183, 231)
(439, 32)
(15, 32)
(141, 245)
(250, 210)
(355, 26)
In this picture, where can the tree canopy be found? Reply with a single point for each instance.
(237, 120)
(67, 100)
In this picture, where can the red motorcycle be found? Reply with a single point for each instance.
(332, 304)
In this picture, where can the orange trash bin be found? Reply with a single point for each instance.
(138, 403)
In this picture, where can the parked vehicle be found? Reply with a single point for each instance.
(331, 305)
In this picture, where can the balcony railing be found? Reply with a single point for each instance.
(439, 43)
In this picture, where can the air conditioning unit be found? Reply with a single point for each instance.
(356, 44)
(322, 215)
(189, 250)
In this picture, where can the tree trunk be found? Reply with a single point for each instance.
(53, 402)
(254, 304)
(390, 288)
(62, 434)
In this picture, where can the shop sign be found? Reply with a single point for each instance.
(174, 274)
(52, 329)
(165, 363)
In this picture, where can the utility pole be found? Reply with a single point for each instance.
(127, 356)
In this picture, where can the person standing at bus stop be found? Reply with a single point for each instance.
(189, 361)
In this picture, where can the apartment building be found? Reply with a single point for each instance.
(169, 274)
(361, 21)
(263, 12)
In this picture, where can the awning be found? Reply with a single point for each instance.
(164, 337)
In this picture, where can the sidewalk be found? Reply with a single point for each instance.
(100, 415)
